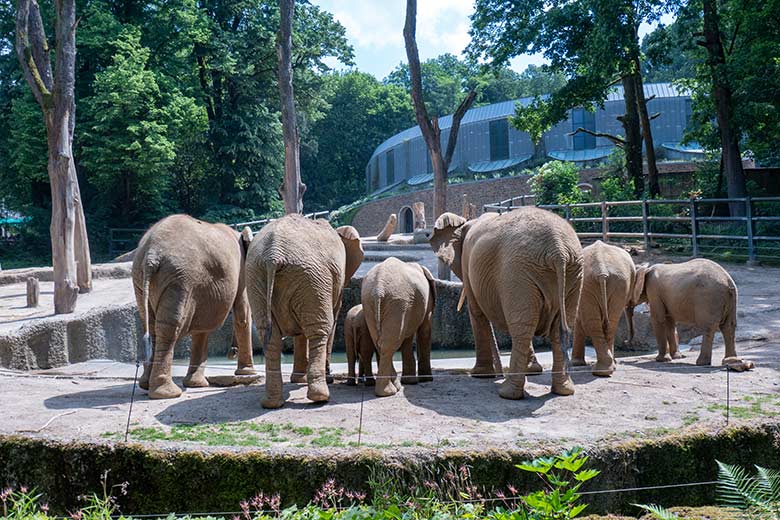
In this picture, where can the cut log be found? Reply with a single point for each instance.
(389, 228)
(33, 292)
(418, 208)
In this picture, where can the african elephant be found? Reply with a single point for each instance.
(521, 272)
(187, 276)
(398, 300)
(608, 277)
(698, 292)
(359, 346)
(296, 271)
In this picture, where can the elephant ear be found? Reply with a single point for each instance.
(638, 292)
(431, 285)
(446, 240)
(351, 239)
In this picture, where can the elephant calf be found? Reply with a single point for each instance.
(698, 292)
(187, 276)
(398, 300)
(608, 276)
(359, 346)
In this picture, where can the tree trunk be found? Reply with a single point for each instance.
(647, 132)
(633, 146)
(292, 188)
(722, 94)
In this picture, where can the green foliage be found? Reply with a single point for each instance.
(658, 512)
(556, 183)
(615, 183)
(758, 495)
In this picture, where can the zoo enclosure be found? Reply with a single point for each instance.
(121, 240)
(704, 224)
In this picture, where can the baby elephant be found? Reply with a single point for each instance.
(698, 292)
(608, 276)
(398, 300)
(359, 345)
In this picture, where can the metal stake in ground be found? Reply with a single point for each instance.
(728, 394)
(362, 399)
(132, 398)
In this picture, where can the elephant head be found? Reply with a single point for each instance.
(354, 250)
(449, 233)
(638, 295)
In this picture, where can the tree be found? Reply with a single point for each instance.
(430, 127)
(54, 92)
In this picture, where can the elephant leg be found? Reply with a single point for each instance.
(705, 355)
(488, 362)
(534, 367)
(328, 377)
(605, 360)
(161, 385)
(366, 360)
(671, 339)
(561, 381)
(300, 359)
(659, 329)
(143, 382)
(242, 333)
(385, 379)
(729, 331)
(409, 368)
(196, 373)
(424, 351)
(578, 347)
(351, 346)
(273, 371)
(513, 386)
(316, 375)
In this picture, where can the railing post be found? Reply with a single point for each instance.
(645, 224)
(604, 222)
(749, 221)
(567, 210)
(694, 229)
(522, 200)
(509, 205)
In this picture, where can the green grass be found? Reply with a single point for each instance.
(754, 407)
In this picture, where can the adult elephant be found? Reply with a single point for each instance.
(187, 276)
(297, 269)
(522, 272)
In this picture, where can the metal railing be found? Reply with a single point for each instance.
(121, 240)
(758, 215)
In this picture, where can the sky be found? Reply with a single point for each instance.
(374, 28)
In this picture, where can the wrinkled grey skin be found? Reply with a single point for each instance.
(521, 272)
(608, 277)
(296, 271)
(698, 292)
(187, 276)
(359, 347)
(398, 300)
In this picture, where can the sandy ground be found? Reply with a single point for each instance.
(643, 398)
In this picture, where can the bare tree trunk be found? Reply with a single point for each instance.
(633, 144)
(292, 188)
(54, 92)
(722, 94)
(647, 132)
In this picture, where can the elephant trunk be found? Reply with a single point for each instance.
(630, 322)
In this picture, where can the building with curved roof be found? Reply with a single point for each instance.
(488, 143)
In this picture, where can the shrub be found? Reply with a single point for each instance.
(556, 183)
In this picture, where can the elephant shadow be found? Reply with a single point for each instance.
(102, 398)
(458, 394)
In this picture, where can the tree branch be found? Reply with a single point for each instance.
(34, 57)
(616, 140)
(456, 118)
(657, 114)
(413, 56)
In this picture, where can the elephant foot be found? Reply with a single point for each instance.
(318, 392)
(245, 371)
(272, 403)
(397, 383)
(563, 386)
(665, 358)
(578, 362)
(167, 390)
(298, 378)
(195, 381)
(704, 360)
(426, 378)
(143, 384)
(510, 389)
(409, 380)
(483, 371)
(677, 355)
(370, 381)
(329, 378)
(603, 370)
(534, 368)
(351, 381)
(385, 389)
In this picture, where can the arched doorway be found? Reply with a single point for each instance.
(406, 220)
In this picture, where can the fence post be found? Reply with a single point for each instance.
(694, 229)
(749, 221)
(604, 221)
(522, 200)
(645, 224)
(568, 213)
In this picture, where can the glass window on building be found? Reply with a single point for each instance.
(390, 166)
(428, 163)
(499, 140)
(375, 173)
(688, 112)
(581, 118)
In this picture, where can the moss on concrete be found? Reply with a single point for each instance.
(195, 481)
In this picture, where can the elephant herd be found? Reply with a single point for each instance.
(523, 272)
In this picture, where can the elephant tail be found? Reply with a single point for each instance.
(147, 334)
(378, 317)
(565, 330)
(604, 304)
(270, 274)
